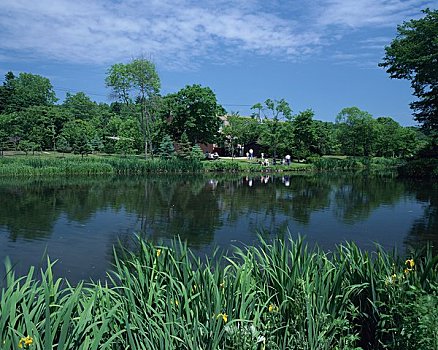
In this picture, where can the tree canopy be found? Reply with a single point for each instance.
(413, 55)
(195, 111)
(26, 90)
(137, 82)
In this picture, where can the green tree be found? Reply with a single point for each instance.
(194, 110)
(166, 149)
(80, 106)
(81, 145)
(326, 142)
(184, 147)
(6, 92)
(305, 135)
(137, 82)
(27, 146)
(356, 132)
(413, 55)
(39, 124)
(239, 130)
(273, 131)
(196, 153)
(62, 145)
(388, 137)
(25, 91)
(76, 131)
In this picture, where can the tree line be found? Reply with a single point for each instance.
(141, 120)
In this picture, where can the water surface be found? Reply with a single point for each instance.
(78, 220)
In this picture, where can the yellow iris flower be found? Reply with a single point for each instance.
(410, 263)
(224, 316)
(25, 342)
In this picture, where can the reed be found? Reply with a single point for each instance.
(277, 295)
(38, 166)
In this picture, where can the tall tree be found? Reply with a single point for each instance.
(137, 82)
(388, 137)
(195, 111)
(6, 92)
(25, 91)
(356, 132)
(413, 55)
(305, 136)
(80, 106)
(273, 131)
(239, 130)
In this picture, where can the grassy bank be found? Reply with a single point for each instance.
(37, 165)
(98, 165)
(92, 165)
(275, 296)
(355, 163)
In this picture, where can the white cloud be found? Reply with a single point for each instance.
(180, 33)
(368, 13)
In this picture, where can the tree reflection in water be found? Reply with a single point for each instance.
(425, 229)
(206, 210)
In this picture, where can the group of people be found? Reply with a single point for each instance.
(265, 161)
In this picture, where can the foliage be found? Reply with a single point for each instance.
(277, 295)
(81, 145)
(80, 106)
(413, 55)
(37, 166)
(356, 132)
(137, 82)
(305, 134)
(26, 90)
(196, 153)
(193, 110)
(62, 145)
(273, 132)
(184, 147)
(140, 119)
(352, 163)
(420, 168)
(166, 149)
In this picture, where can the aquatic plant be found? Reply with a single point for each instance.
(276, 295)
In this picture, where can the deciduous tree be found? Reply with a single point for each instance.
(137, 82)
(195, 111)
(413, 55)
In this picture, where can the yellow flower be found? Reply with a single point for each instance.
(26, 342)
(222, 285)
(410, 263)
(224, 316)
(158, 252)
(176, 302)
(273, 308)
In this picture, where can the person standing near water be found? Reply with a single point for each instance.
(288, 159)
(251, 153)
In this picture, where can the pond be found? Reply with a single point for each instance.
(77, 221)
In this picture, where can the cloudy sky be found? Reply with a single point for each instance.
(319, 54)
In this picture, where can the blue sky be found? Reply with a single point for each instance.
(319, 54)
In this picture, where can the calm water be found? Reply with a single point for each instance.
(77, 221)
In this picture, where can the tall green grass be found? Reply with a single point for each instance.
(279, 295)
(355, 163)
(34, 166)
